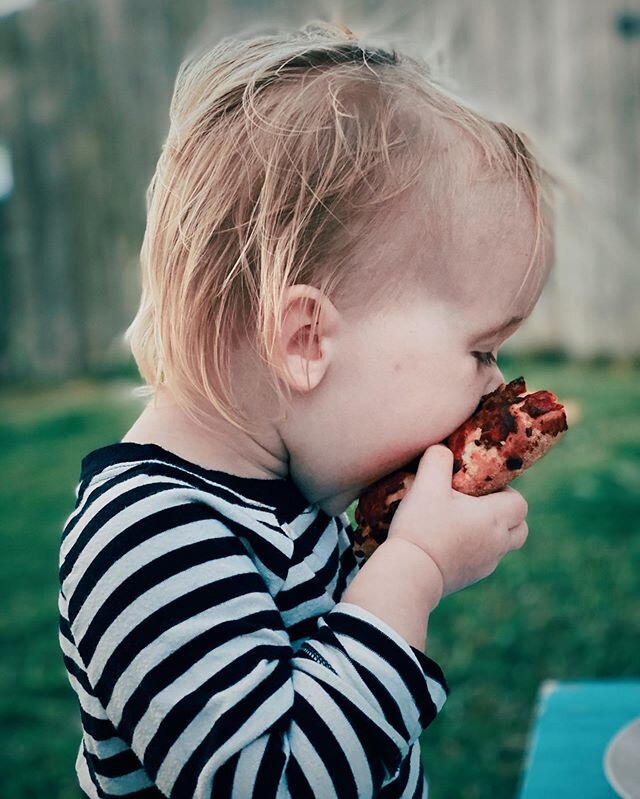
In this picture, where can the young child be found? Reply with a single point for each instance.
(335, 251)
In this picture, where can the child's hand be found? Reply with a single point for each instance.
(465, 536)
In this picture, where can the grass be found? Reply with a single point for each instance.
(566, 606)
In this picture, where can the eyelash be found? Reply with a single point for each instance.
(485, 358)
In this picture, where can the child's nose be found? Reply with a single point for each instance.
(497, 379)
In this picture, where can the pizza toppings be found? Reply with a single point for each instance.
(539, 403)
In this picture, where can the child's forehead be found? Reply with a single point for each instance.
(473, 241)
(495, 245)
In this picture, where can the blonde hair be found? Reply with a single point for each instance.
(283, 152)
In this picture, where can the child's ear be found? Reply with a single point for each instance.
(306, 350)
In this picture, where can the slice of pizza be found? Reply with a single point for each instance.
(510, 429)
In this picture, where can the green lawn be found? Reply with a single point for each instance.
(566, 606)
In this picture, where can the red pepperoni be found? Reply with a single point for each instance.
(539, 403)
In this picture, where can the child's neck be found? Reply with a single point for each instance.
(165, 424)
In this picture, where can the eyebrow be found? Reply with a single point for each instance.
(515, 320)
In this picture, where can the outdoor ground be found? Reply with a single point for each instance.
(566, 606)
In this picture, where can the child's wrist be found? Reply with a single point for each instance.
(431, 576)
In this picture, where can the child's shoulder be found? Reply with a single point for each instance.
(141, 501)
(140, 504)
(127, 466)
(125, 487)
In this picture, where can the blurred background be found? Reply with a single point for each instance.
(84, 95)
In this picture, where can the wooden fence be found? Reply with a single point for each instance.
(84, 94)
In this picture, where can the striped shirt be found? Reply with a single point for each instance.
(203, 634)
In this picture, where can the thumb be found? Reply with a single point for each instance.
(436, 467)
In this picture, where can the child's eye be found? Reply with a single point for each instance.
(485, 358)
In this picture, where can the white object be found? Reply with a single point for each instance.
(9, 6)
(622, 761)
(6, 171)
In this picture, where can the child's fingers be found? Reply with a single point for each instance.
(516, 536)
(435, 469)
(509, 506)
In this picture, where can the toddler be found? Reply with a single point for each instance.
(335, 251)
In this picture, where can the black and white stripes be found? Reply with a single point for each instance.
(203, 633)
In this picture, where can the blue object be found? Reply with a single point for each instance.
(628, 24)
(570, 732)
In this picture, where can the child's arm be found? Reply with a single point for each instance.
(401, 585)
(184, 646)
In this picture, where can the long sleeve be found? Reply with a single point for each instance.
(384, 689)
(188, 680)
